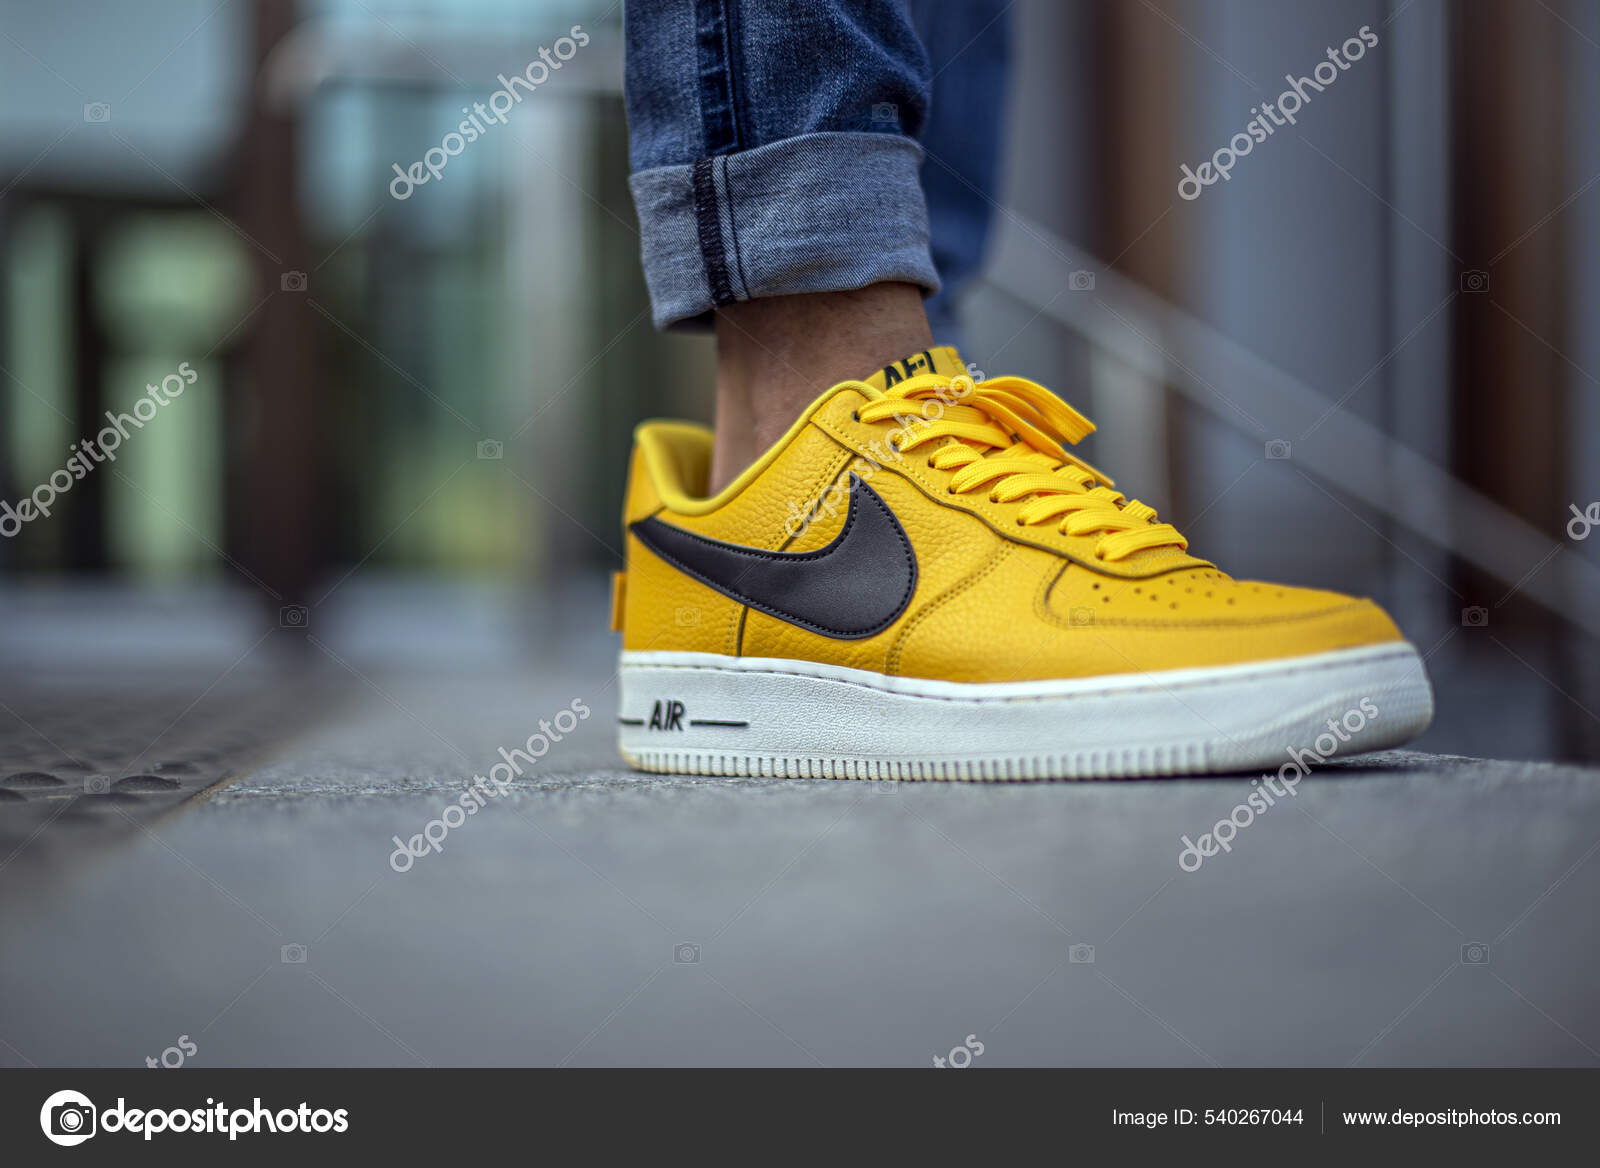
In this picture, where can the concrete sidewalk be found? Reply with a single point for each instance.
(1400, 909)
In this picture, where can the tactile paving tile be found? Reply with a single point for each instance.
(83, 762)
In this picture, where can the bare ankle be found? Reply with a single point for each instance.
(774, 356)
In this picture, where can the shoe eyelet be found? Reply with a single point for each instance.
(949, 490)
(855, 415)
(1020, 523)
(930, 463)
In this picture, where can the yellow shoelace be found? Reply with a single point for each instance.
(1007, 433)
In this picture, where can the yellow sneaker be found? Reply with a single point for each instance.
(919, 581)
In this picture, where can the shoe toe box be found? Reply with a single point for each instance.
(1204, 618)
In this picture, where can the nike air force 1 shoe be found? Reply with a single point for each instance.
(921, 581)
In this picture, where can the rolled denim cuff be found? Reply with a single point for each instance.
(824, 212)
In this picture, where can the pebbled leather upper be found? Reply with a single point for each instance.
(993, 601)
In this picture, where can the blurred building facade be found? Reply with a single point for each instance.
(444, 384)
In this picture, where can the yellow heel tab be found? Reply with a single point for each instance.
(619, 599)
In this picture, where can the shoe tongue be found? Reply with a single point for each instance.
(942, 359)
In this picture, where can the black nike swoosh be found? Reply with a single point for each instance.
(856, 586)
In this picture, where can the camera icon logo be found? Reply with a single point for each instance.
(1081, 955)
(491, 448)
(1278, 448)
(293, 616)
(1474, 617)
(886, 111)
(686, 616)
(1474, 280)
(292, 281)
(97, 785)
(1082, 616)
(1475, 953)
(293, 954)
(1081, 281)
(97, 111)
(686, 954)
(67, 1118)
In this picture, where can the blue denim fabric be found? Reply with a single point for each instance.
(969, 45)
(775, 147)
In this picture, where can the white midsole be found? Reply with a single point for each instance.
(709, 713)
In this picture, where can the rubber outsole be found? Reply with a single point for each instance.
(697, 713)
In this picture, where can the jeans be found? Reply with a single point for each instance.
(814, 146)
